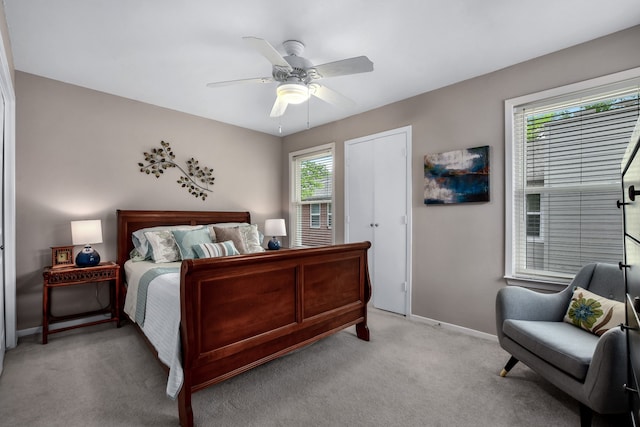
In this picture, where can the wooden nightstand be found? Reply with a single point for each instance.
(71, 276)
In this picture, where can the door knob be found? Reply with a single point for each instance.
(633, 193)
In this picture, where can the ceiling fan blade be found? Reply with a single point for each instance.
(279, 107)
(241, 81)
(268, 51)
(331, 96)
(359, 64)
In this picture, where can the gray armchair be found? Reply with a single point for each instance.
(589, 368)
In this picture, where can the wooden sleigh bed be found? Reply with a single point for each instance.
(238, 312)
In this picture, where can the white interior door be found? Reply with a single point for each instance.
(359, 204)
(390, 223)
(377, 208)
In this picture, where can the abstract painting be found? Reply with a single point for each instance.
(460, 176)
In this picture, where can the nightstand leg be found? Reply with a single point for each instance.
(45, 314)
(115, 303)
(116, 285)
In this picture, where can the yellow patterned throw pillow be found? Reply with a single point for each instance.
(593, 312)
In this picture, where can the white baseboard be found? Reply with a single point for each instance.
(453, 327)
(55, 326)
(432, 322)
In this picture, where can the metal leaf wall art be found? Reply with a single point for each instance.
(195, 179)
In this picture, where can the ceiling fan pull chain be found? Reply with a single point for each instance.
(308, 106)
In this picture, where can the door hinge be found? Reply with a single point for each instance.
(404, 286)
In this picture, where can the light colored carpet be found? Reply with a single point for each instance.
(409, 374)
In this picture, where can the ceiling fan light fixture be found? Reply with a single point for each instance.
(293, 93)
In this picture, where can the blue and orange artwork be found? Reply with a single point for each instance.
(460, 176)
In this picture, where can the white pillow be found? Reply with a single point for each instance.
(163, 245)
(251, 237)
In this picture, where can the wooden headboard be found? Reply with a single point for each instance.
(130, 221)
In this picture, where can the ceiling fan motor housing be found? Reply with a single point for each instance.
(299, 69)
(293, 47)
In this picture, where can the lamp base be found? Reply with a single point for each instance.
(87, 257)
(274, 244)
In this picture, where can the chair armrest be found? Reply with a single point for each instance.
(608, 373)
(524, 304)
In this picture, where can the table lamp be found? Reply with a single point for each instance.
(274, 228)
(85, 233)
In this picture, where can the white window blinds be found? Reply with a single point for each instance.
(566, 180)
(311, 193)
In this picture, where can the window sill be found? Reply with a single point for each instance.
(536, 284)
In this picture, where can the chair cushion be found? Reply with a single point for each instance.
(594, 313)
(560, 344)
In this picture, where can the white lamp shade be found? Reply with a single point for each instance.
(275, 227)
(86, 232)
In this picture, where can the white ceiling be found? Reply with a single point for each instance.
(164, 52)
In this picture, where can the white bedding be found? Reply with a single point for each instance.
(162, 318)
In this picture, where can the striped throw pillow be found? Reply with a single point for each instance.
(214, 250)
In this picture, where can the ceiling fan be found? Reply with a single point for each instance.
(297, 76)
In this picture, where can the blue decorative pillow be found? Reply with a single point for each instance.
(214, 250)
(186, 239)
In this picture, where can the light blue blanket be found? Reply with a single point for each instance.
(143, 286)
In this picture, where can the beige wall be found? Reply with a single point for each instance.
(76, 158)
(65, 133)
(458, 250)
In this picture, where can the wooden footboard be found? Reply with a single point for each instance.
(240, 312)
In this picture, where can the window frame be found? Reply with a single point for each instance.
(510, 220)
(315, 215)
(294, 220)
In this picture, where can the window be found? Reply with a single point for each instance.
(315, 215)
(329, 215)
(311, 188)
(563, 153)
(533, 215)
